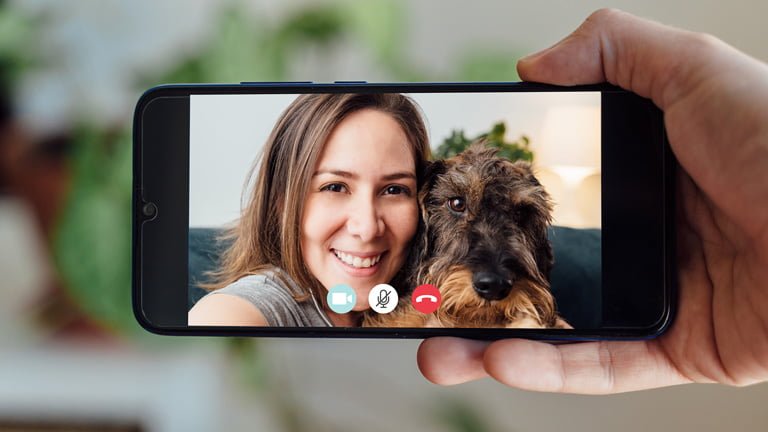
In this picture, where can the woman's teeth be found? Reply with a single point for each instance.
(357, 262)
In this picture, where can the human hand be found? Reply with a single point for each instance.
(715, 103)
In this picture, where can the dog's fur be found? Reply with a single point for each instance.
(494, 235)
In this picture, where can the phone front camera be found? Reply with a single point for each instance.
(149, 210)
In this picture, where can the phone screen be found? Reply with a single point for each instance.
(398, 210)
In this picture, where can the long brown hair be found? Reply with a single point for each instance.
(267, 234)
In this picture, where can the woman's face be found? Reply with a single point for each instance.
(361, 210)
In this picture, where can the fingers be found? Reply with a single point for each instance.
(586, 368)
(642, 56)
(448, 361)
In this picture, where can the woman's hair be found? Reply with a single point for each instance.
(267, 234)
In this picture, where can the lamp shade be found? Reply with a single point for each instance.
(570, 137)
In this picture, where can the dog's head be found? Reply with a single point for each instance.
(485, 218)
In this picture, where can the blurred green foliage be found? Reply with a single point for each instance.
(459, 416)
(93, 243)
(485, 66)
(244, 50)
(512, 150)
(16, 33)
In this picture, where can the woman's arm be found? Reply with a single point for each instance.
(225, 310)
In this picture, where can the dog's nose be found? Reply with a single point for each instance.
(491, 286)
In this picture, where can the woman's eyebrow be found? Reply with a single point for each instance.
(400, 175)
(351, 175)
(339, 173)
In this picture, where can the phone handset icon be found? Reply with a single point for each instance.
(423, 297)
(426, 298)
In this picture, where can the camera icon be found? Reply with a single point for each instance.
(341, 298)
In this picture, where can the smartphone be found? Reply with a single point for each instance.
(353, 209)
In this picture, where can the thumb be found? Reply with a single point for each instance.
(650, 59)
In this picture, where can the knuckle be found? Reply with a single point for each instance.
(602, 21)
(704, 41)
(605, 16)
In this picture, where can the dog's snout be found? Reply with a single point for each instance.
(491, 286)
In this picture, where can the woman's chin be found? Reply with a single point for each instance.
(361, 308)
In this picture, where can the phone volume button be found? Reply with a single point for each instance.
(274, 82)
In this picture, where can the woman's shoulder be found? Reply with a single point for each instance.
(269, 283)
(225, 310)
(272, 294)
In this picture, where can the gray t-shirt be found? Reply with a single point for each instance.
(274, 300)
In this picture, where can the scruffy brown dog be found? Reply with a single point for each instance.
(483, 242)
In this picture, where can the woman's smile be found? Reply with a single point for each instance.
(358, 260)
(359, 265)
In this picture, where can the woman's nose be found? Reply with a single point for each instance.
(364, 220)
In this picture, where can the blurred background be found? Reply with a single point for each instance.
(72, 356)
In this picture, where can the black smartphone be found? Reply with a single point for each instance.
(349, 209)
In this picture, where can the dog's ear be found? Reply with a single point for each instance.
(543, 201)
(525, 169)
(431, 171)
(543, 205)
(544, 255)
(421, 242)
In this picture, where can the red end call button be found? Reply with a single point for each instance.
(426, 298)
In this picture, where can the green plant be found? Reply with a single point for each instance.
(92, 245)
(512, 150)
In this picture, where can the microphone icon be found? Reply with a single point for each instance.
(383, 299)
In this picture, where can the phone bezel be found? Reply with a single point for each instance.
(164, 137)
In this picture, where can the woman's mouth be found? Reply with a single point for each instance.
(357, 261)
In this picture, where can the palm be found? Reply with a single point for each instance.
(720, 306)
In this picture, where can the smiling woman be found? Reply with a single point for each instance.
(333, 202)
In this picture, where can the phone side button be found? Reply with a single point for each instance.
(274, 82)
(350, 82)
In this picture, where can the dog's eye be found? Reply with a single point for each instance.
(457, 204)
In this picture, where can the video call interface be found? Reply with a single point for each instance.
(393, 210)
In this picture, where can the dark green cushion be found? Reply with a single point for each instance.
(576, 277)
(204, 251)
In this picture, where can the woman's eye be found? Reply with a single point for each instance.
(334, 187)
(397, 190)
(457, 204)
